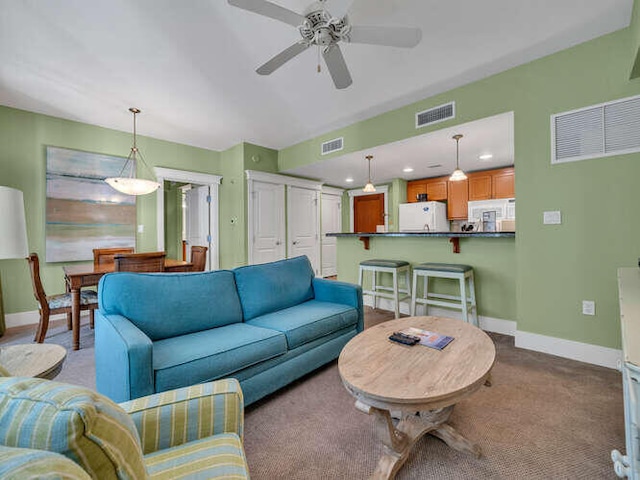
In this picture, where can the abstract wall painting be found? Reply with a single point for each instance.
(84, 212)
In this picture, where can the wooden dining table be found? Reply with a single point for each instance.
(88, 275)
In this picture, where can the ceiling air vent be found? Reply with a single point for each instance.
(436, 115)
(332, 145)
(611, 128)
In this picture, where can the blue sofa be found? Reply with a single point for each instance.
(265, 325)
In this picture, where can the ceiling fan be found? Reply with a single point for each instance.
(319, 27)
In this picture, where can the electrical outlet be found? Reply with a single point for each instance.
(588, 307)
(552, 218)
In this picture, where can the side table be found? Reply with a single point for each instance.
(33, 359)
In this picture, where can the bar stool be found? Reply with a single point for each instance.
(395, 268)
(462, 273)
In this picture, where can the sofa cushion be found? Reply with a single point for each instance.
(168, 305)
(211, 354)
(25, 463)
(308, 321)
(273, 286)
(77, 422)
(220, 456)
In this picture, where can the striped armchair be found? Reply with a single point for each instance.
(73, 432)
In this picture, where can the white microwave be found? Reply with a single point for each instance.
(505, 209)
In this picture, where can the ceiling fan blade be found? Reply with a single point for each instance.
(270, 10)
(282, 58)
(405, 37)
(339, 8)
(337, 66)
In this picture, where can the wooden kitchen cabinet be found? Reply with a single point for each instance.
(437, 189)
(414, 188)
(503, 183)
(458, 197)
(480, 186)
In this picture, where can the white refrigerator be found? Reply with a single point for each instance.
(423, 217)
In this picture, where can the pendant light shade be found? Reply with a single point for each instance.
(132, 185)
(369, 188)
(457, 174)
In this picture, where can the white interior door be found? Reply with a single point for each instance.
(331, 223)
(268, 222)
(303, 222)
(197, 227)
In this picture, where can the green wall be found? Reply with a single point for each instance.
(23, 140)
(550, 268)
(635, 32)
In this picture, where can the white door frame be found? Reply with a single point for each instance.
(213, 181)
(257, 176)
(328, 192)
(357, 192)
(316, 201)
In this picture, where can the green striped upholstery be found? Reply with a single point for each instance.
(24, 463)
(178, 416)
(221, 456)
(77, 422)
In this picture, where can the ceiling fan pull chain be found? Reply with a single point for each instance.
(319, 59)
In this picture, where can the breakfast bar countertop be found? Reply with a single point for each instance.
(425, 234)
(454, 237)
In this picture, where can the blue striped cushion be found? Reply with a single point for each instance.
(77, 422)
(24, 463)
(219, 457)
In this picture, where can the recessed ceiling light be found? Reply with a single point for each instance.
(486, 156)
(407, 170)
(348, 180)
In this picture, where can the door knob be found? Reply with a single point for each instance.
(295, 242)
(278, 242)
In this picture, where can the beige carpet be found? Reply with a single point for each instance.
(544, 417)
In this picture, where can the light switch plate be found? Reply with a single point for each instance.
(588, 307)
(140, 228)
(552, 218)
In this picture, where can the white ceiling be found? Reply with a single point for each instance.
(189, 65)
(430, 155)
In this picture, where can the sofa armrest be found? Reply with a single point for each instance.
(340, 292)
(124, 358)
(171, 418)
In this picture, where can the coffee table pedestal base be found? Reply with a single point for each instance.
(399, 440)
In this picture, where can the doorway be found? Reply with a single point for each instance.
(201, 224)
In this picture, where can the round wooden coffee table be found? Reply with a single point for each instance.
(421, 385)
(33, 359)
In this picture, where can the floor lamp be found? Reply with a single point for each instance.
(13, 233)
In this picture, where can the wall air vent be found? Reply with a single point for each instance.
(332, 145)
(611, 128)
(436, 115)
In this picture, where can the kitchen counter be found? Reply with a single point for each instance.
(454, 237)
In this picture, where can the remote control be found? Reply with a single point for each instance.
(403, 338)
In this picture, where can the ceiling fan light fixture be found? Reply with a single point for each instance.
(369, 187)
(132, 185)
(457, 175)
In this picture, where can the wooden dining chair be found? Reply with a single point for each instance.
(139, 262)
(54, 304)
(105, 256)
(198, 258)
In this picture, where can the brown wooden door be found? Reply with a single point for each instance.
(458, 199)
(414, 188)
(368, 211)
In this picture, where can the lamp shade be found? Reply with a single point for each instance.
(13, 228)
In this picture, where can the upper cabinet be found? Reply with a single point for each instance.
(488, 184)
(483, 185)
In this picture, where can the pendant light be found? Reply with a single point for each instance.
(132, 185)
(369, 188)
(457, 174)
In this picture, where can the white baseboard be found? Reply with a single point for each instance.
(583, 352)
(32, 317)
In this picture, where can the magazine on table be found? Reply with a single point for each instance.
(429, 339)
